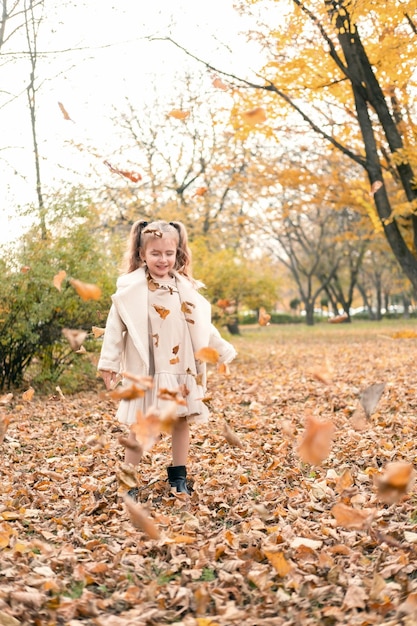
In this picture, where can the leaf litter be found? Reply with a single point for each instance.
(269, 536)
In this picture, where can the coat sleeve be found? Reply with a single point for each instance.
(113, 342)
(225, 349)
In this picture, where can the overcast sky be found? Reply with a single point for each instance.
(98, 52)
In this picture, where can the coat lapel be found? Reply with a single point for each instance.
(131, 300)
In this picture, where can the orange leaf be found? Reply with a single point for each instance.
(348, 517)
(27, 396)
(140, 519)
(127, 393)
(219, 84)
(375, 186)
(315, 446)
(58, 278)
(4, 424)
(254, 116)
(161, 310)
(97, 332)
(147, 429)
(264, 318)
(86, 291)
(395, 481)
(224, 369)
(64, 112)
(278, 562)
(207, 355)
(178, 114)
(75, 338)
(135, 177)
(201, 191)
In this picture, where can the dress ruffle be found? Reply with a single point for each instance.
(186, 387)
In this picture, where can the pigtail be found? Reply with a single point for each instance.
(184, 258)
(132, 258)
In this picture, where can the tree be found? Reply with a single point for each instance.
(33, 311)
(331, 64)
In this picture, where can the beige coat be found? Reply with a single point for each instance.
(126, 339)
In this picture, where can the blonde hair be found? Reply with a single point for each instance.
(142, 232)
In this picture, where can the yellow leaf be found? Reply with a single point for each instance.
(278, 562)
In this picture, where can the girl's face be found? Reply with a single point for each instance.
(160, 255)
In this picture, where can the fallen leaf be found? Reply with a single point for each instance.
(27, 396)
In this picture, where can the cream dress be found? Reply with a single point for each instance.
(172, 362)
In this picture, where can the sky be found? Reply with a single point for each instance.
(95, 54)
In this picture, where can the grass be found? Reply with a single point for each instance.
(323, 332)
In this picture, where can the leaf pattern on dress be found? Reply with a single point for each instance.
(187, 307)
(162, 311)
(156, 337)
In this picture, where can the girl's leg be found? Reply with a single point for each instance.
(180, 442)
(133, 453)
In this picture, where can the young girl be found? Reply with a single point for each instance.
(157, 322)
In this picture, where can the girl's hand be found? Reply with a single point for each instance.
(109, 378)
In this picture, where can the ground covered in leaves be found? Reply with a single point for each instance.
(259, 542)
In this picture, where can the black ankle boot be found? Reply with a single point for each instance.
(177, 477)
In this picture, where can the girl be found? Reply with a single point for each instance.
(157, 322)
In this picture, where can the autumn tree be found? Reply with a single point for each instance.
(346, 71)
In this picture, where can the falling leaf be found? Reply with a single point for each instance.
(370, 398)
(127, 393)
(316, 442)
(140, 518)
(4, 424)
(86, 291)
(162, 311)
(224, 369)
(25, 269)
(74, 337)
(59, 278)
(27, 396)
(64, 112)
(145, 381)
(375, 186)
(98, 332)
(395, 481)
(8, 397)
(219, 84)
(349, 517)
(263, 318)
(207, 355)
(135, 177)
(147, 428)
(179, 114)
(201, 191)
(254, 116)
(231, 436)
